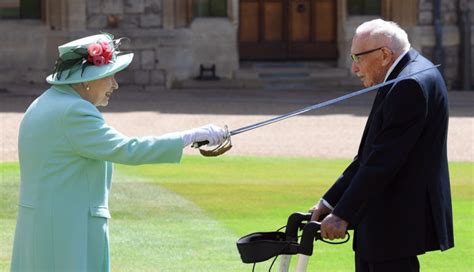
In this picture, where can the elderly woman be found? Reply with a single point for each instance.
(66, 152)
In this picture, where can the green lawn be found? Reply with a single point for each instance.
(188, 217)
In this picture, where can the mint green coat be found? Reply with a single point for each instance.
(66, 152)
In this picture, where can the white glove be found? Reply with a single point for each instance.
(214, 134)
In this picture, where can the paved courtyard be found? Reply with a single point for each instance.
(332, 132)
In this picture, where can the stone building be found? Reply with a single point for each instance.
(171, 39)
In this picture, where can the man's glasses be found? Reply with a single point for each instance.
(355, 57)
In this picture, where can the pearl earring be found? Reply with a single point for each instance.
(88, 88)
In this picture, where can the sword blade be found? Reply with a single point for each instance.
(325, 103)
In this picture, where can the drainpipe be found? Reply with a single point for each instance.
(439, 55)
(465, 45)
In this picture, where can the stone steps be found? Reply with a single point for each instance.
(298, 75)
(282, 76)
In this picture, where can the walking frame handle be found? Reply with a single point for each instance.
(261, 246)
(311, 233)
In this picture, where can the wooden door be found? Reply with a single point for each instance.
(287, 29)
(261, 29)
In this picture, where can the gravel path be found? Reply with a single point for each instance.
(332, 132)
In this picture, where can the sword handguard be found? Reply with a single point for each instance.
(221, 149)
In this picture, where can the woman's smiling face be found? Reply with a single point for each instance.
(98, 91)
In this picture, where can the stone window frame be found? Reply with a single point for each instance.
(404, 12)
(55, 14)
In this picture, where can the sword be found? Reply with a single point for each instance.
(316, 106)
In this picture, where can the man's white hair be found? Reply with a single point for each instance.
(389, 31)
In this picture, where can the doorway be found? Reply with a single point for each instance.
(287, 29)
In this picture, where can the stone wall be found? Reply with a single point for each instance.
(139, 20)
(28, 52)
(422, 37)
(165, 54)
(451, 38)
(125, 14)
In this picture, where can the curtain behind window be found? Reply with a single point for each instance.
(20, 9)
(363, 7)
(209, 8)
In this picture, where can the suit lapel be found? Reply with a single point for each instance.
(369, 121)
(409, 57)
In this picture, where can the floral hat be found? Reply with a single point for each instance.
(88, 59)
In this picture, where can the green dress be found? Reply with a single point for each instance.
(66, 152)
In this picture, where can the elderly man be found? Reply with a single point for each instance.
(396, 192)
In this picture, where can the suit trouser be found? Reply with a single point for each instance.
(408, 264)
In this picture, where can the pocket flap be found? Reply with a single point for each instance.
(100, 212)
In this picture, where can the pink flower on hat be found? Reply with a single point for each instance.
(98, 60)
(107, 56)
(94, 49)
(100, 53)
(105, 46)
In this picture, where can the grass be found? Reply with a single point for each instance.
(188, 217)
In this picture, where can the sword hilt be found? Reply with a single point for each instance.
(199, 144)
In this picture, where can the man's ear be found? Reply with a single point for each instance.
(388, 57)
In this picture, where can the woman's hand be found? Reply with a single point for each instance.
(213, 134)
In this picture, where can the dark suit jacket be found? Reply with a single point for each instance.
(396, 192)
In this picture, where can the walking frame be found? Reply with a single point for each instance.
(261, 246)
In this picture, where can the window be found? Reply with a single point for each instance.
(363, 7)
(186, 10)
(20, 9)
(209, 8)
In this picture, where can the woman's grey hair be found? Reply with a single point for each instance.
(388, 32)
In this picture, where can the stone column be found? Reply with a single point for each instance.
(342, 41)
(233, 11)
(76, 11)
(168, 14)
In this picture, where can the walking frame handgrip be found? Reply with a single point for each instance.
(311, 232)
(295, 222)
